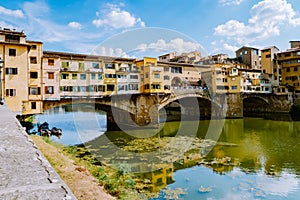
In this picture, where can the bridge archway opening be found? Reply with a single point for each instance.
(184, 109)
(255, 106)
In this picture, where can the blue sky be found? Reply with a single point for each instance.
(220, 26)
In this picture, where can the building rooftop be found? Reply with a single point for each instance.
(270, 47)
(68, 55)
(245, 47)
(12, 32)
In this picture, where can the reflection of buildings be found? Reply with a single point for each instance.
(159, 176)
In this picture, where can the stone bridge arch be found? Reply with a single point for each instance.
(207, 106)
(104, 104)
(266, 100)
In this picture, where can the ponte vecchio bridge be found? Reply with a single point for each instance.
(131, 111)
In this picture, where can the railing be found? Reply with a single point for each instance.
(190, 90)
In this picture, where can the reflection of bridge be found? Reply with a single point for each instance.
(131, 111)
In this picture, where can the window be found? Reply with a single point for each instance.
(166, 69)
(109, 66)
(11, 92)
(74, 76)
(34, 90)
(11, 71)
(156, 75)
(155, 86)
(288, 69)
(110, 88)
(234, 87)
(82, 89)
(101, 88)
(99, 76)
(167, 87)
(96, 65)
(122, 87)
(147, 75)
(121, 76)
(64, 64)
(295, 69)
(50, 75)
(12, 38)
(225, 80)
(33, 47)
(50, 62)
(33, 60)
(33, 105)
(221, 87)
(34, 75)
(82, 76)
(81, 66)
(110, 75)
(93, 76)
(166, 77)
(246, 52)
(64, 76)
(49, 90)
(133, 87)
(268, 56)
(12, 52)
(177, 70)
(134, 77)
(146, 87)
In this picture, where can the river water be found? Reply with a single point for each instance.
(253, 158)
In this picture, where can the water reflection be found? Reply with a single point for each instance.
(79, 123)
(253, 157)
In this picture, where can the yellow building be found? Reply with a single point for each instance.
(151, 76)
(223, 78)
(20, 72)
(289, 63)
(35, 90)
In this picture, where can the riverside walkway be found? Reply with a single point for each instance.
(24, 171)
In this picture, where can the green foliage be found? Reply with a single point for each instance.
(129, 183)
(122, 168)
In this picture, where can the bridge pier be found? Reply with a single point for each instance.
(234, 105)
(146, 114)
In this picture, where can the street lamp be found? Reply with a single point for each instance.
(1, 98)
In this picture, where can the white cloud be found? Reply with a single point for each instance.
(229, 47)
(230, 2)
(117, 18)
(178, 45)
(3, 24)
(13, 13)
(75, 25)
(267, 19)
(104, 51)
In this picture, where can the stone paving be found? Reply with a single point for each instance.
(24, 171)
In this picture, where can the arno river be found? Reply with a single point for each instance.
(254, 158)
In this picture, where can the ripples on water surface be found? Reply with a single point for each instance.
(267, 152)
